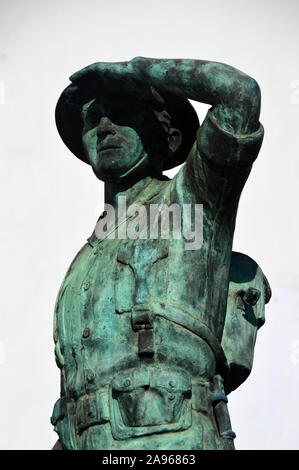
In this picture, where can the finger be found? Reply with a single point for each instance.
(86, 72)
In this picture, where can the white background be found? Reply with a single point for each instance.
(51, 200)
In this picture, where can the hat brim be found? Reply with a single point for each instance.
(69, 122)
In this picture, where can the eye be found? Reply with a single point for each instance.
(91, 120)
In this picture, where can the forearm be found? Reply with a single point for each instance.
(234, 95)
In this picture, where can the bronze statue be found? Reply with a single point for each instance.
(151, 335)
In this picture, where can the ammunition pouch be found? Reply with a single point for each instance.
(143, 401)
(146, 401)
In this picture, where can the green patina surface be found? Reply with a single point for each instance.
(150, 336)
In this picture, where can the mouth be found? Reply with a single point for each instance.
(109, 144)
(103, 148)
(108, 147)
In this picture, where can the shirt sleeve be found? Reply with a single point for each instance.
(223, 149)
(218, 165)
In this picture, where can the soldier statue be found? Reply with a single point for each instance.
(151, 337)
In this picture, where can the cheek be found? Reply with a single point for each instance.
(89, 141)
(134, 149)
(134, 143)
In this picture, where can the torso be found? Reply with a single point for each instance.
(106, 281)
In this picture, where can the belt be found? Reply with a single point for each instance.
(89, 409)
(93, 409)
(71, 417)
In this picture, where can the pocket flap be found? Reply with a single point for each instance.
(172, 380)
(128, 380)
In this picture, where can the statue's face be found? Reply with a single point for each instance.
(118, 138)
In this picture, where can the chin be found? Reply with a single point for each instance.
(110, 172)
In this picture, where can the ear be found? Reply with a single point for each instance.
(174, 139)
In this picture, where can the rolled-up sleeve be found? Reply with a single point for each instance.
(224, 149)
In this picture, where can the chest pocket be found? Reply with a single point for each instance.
(147, 401)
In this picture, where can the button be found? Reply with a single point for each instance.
(127, 383)
(172, 384)
(171, 397)
(86, 285)
(90, 376)
(86, 332)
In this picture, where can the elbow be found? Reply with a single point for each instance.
(250, 94)
(245, 101)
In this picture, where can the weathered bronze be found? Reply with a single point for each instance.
(151, 336)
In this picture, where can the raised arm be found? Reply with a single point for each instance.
(235, 96)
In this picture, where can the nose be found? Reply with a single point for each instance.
(105, 128)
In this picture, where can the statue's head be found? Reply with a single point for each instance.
(124, 137)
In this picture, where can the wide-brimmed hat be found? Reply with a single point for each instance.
(69, 120)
